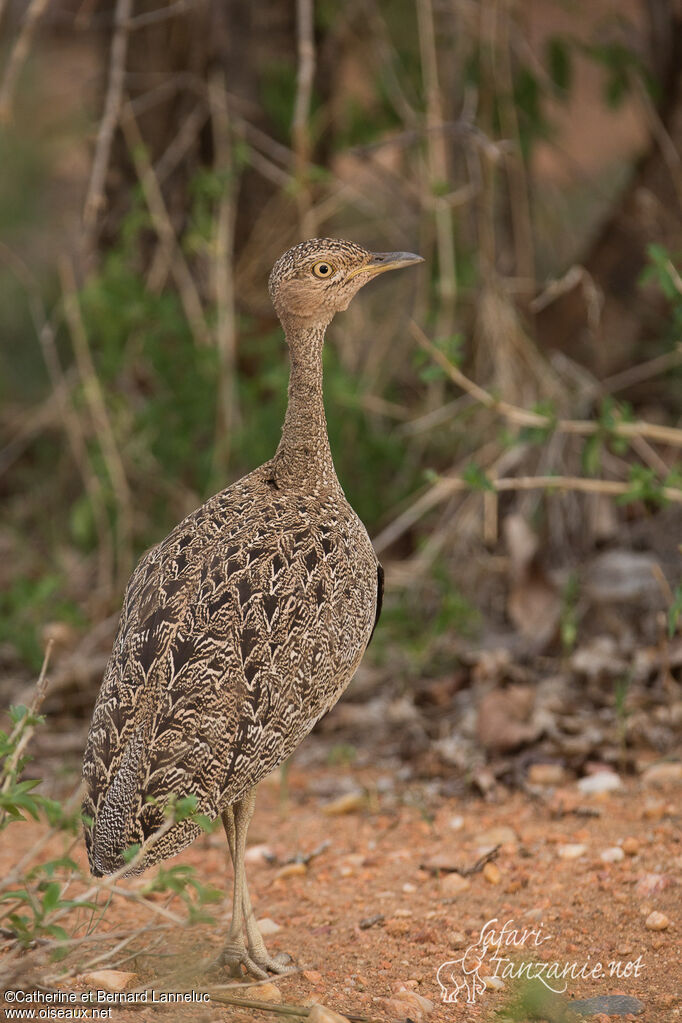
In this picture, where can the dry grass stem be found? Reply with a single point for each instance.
(222, 271)
(100, 418)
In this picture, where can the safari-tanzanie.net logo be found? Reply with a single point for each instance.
(494, 955)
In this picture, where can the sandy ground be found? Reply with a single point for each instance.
(390, 857)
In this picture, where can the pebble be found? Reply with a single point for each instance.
(456, 823)
(347, 803)
(546, 774)
(457, 939)
(109, 980)
(501, 835)
(267, 927)
(259, 854)
(408, 1004)
(663, 774)
(403, 912)
(269, 993)
(321, 1014)
(602, 781)
(292, 870)
(494, 983)
(397, 926)
(571, 851)
(657, 921)
(409, 888)
(630, 846)
(613, 855)
(652, 884)
(491, 872)
(454, 884)
(313, 976)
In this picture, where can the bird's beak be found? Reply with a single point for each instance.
(380, 262)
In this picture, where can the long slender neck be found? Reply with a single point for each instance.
(303, 454)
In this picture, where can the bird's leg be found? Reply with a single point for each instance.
(257, 951)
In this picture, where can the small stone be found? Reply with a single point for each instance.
(109, 980)
(408, 1004)
(409, 888)
(491, 872)
(602, 781)
(571, 851)
(652, 884)
(630, 846)
(456, 823)
(348, 803)
(546, 774)
(268, 927)
(457, 939)
(663, 774)
(613, 855)
(403, 912)
(259, 854)
(653, 810)
(292, 870)
(321, 1014)
(494, 983)
(269, 993)
(501, 835)
(454, 884)
(313, 976)
(657, 921)
(397, 926)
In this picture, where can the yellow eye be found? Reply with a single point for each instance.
(323, 269)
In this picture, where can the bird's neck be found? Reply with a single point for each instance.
(303, 455)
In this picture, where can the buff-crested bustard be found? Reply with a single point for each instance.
(244, 626)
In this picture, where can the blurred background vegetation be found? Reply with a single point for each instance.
(158, 157)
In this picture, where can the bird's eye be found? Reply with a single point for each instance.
(323, 269)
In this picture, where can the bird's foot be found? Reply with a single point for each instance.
(236, 958)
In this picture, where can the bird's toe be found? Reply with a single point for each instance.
(279, 964)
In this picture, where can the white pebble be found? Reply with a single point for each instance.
(613, 855)
(602, 781)
(571, 852)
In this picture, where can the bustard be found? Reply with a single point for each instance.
(244, 626)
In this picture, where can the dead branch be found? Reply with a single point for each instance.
(189, 296)
(112, 107)
(522, 417)
(17, 57)
(300, 130)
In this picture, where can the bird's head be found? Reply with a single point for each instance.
(319, 277)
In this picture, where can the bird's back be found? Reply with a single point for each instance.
(238, 632)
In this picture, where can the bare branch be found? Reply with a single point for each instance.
(17, 57)
(112, 108)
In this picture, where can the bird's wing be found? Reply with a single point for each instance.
(237, 633)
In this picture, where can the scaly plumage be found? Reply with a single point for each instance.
(244, 626)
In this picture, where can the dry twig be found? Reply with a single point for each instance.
(112, 108)
(17, 57)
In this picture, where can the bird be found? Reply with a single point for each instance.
(241, 628)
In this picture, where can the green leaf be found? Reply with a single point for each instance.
(675, 612)
(560, 64)
(476, 478)
(51, 896)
